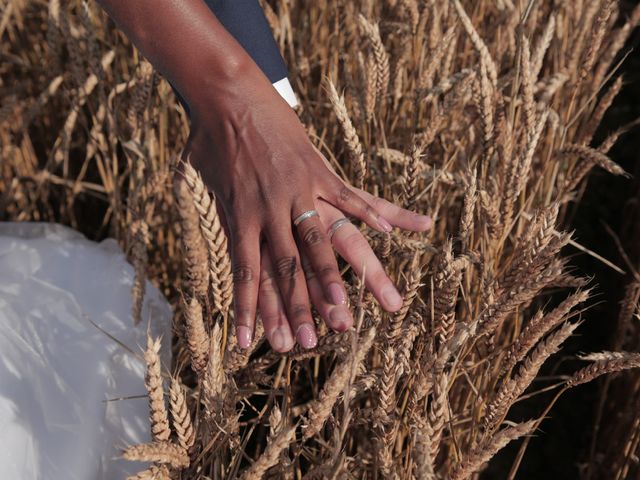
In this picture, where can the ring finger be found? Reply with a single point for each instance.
(291, 283)
(315, 244)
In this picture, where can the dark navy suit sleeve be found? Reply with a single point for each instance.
(245, 20)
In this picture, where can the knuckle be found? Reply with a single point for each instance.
(286, 267)
(242, 273)
(327, 271)
(299, 310)
(345, 194)
(312, 236)
(380, 205)
(307, 268)
(369, 211)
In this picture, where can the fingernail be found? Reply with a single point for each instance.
(278, 339)
(386, 226)
(392, 297)
(306, 336)
(337, 295)
(244, 336)
(340, 318)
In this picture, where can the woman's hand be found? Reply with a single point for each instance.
(253, 152)
(349, 242)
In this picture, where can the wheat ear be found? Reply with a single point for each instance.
(197, 337)
(193, 245)
(153, 381)
(608, 362)
(152, 473)
(159, 452)
(215, 238)
(350, 135)
(271, 454)
(214, 377)
(513, 388)
(477, 41)
(181, 417)
(380, 54)
(486, 450)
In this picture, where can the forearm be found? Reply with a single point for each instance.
(186, 43)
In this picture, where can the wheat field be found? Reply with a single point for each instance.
(481, 114)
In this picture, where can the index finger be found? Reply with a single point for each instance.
(397, 216)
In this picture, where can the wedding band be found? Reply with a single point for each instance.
(303, 216)
(336, 225)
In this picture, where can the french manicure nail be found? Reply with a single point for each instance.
(306, 336)
(386, 226)
(337, 295)
(244, 336)
(391, 296)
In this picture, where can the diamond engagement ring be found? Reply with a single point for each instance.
(303, 216)
(336, 225)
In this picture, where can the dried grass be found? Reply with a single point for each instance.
(479, 113)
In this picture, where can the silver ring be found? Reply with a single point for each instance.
(336, 225)
(303, 216)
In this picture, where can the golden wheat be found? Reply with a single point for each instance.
(481, 114)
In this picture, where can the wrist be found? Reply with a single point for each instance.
(221, 87)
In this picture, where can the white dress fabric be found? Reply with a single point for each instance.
(71, 396)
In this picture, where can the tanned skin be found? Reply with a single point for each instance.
(254, 154)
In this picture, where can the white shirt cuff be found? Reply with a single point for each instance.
(286, 91)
